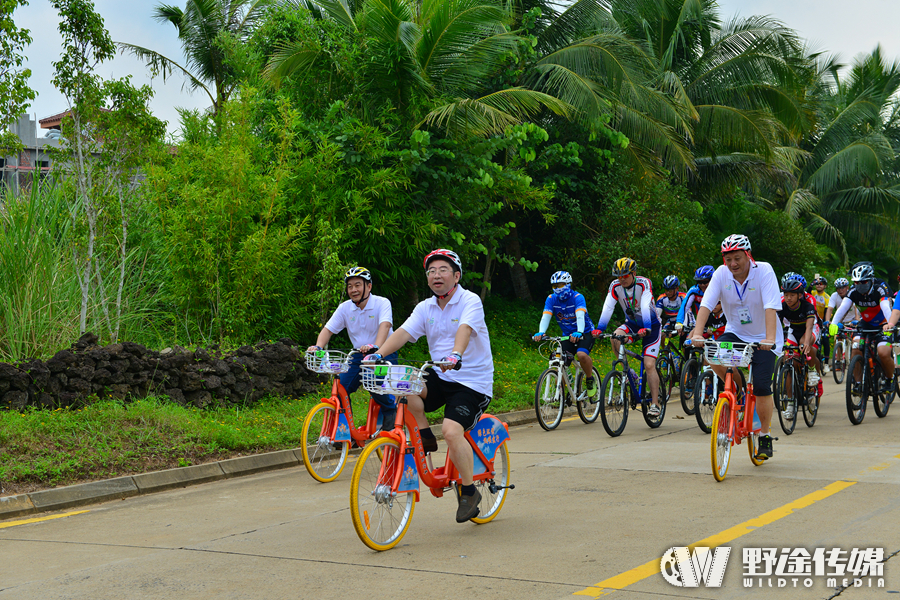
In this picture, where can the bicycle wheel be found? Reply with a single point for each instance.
(665, 366)
(839, 362)
(811, 409)
(615, 395)
(706, 396)
(689, 372)
(785, 398)
(721, 438)
(548, 403)
(857, 393)
(588, 406)
(655, 421)
(492, 502)
(379, 518)
(322, 457)
(881, 401)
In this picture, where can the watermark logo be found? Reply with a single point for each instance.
(683, 568)
(791, 567)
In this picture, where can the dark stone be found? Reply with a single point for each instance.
(220, 367)
(261, 383)
(118, 391)
(134, 349)
(199, 399)
(114, 350)
(55, 365)
(85, 372)
(86, 340)
(175, 395)
(136, 378)
(45, 400)
(212, 382)
(201, 355)
(102, 376)
(118, 366)
(87, 361)
(241, 388)
(63, 379)
(65, 356)
(38, 372)
(136, 364)
(79, 386)
(191, 382)
(245, 351)
(4, 386)
(228, 380)
(16, 399)
(53, 385)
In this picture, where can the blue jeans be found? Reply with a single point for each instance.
(352, 379)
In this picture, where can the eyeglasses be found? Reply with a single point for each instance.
(704, 282)
(442, 271)
(556, 286)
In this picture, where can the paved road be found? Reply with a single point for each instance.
(589, 513)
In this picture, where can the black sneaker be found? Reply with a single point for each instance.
(468, 505)
(429, 445)
(764, 451)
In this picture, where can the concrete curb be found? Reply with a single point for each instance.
(158, 481)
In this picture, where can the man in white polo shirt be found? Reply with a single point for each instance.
(751, 298)
(368, 320)
(453, 322)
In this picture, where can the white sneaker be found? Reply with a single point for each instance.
(788, 413)
(653, 411)
(826, 370)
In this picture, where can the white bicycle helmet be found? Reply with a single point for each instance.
(841, 282)
(448, 255)
(736, 242)
(560, 277)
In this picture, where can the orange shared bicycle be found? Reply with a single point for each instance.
(385, 484)
(328, 428)
(734, 419)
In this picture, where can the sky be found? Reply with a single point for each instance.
(834, 26)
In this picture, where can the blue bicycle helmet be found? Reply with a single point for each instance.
(671, 282)
(792, 282)
(704, 273)
(560, 277)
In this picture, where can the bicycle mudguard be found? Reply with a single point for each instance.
(409, 482)
(487, 434)
(343, 429)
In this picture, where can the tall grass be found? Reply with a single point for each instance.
(38, 286)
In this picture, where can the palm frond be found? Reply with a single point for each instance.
(288, 59)
(861, 159)
(163, 66)
(802, 201)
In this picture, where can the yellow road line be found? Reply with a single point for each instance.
(652, 568)
(39, 519)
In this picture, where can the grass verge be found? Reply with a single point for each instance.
(41, 449)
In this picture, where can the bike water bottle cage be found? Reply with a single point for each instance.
(568, 357)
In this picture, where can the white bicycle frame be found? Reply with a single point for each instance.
(565, 377)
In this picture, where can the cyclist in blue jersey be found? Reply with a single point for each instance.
(688, 311)
(670, 301)
(570, 310)
(872, 297)
(635, 295)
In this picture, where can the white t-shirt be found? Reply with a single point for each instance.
(745, 304)
(440, 327)
(361, 325)
(834, 303)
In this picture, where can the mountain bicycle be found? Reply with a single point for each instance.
(616, 395)
(793, 392)
(691, 369)
(841, 353)
(735, 418)
(706, 393)
(555, 390)
(670, 361)
(385, 483)
(867, 379)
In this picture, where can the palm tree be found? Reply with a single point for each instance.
(442, 50)
(850, 184)
(207, 30)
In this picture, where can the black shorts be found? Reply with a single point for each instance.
(763, 362)
(463, 405)
(583, 345)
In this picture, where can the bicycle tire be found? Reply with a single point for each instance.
(811, 410)
(705, 399)
(856, 403)
(881, 401)
(721, 438)
(379, 520)
(548, 408)
(666, 369)
(492, 502)
(689, 372)
(753, 447)
(615, 399)
(786, 397)
(839, 362)
(654, 422)
(588, 406)
(320, 458)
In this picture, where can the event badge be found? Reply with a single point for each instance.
(744, 315)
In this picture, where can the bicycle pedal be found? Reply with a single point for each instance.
(494, 488)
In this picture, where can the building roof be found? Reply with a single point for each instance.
(53, 121)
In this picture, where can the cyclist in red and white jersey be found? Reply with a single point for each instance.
(635, 295)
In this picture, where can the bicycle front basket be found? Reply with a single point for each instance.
(728, 354)
(331, 362)
(400, 380)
